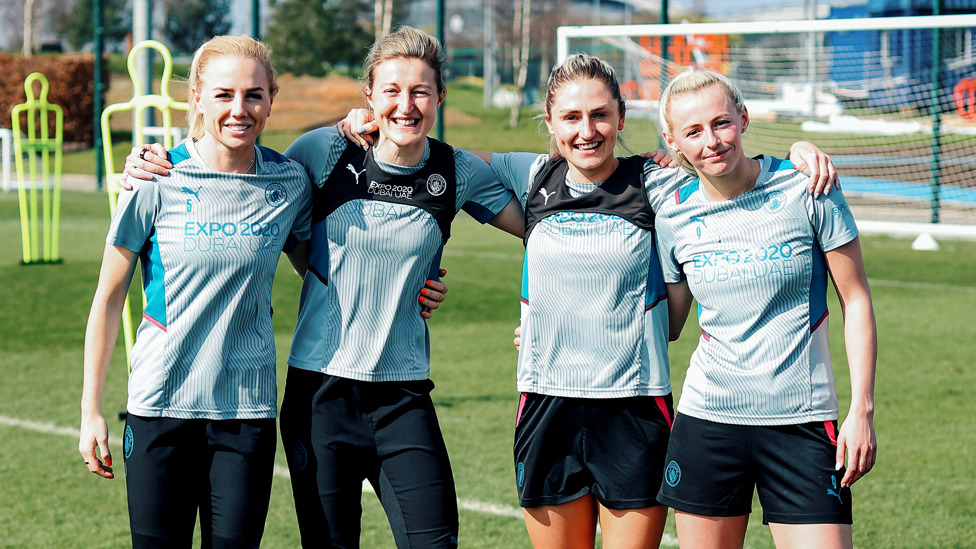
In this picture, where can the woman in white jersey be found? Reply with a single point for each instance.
(200, 431)
(595, 411)
(357, 403)
(758, 410)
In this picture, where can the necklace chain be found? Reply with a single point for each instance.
(251, 165)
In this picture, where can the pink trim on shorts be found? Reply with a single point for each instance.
(831, 432)
(155, 322)
(521, 406)
(663, 406)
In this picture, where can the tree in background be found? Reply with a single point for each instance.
(117, 22)
(520, 55)
(191, 22)
(307, 37)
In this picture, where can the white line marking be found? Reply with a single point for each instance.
(922, 286)
(47, 428)
(279, 470)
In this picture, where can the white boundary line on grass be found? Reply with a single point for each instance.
(282, 472)
(922, 286)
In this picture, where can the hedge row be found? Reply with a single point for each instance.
(72, 87)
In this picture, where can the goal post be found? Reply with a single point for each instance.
(891, 99)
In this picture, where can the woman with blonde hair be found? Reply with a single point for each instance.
(759, 410)
(200, 432)
(595, 411)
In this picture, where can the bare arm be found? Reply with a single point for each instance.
(857, 438)
(103, 329)
(298, 257)
(661, 157)
(679, 305)
(510, 219)
(809, 159)
(486, 156)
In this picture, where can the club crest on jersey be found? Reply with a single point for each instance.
(775, 202)
(275, 194)
(436, 184)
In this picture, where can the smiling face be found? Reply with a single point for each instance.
(706, 128)
(584, 119)
(404, 100)
(234, 101)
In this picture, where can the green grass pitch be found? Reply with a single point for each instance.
(920, 494)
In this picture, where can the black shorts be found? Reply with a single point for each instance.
(713, 469)
(173, 467)
(339, 431)
(566, 448)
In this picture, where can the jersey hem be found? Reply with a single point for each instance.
(261, 413)
(761, 420)
(593, 393)
(360, 376)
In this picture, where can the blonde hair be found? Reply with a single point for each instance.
(241, 47)
(577, 67)
(691, 81)
(405, 43)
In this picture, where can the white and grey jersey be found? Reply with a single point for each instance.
(756, 266)
(209, 244)
(594, 308)
(359, 317)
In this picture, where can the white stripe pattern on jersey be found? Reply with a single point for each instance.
(755, 265)
(212, 241)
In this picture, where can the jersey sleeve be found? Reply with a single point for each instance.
(665, 249)
(301, 228)
(318, 151)
(833, 222)
(480, 193)
(135, 216)
(660, 183)
(517, 170)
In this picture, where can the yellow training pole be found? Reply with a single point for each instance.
(38, 112)
(140, 101)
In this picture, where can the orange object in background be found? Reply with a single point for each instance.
(964, 95)
(704, 51)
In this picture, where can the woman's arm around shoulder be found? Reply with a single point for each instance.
(483, 196)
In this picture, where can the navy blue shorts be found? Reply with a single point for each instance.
(173, 467)
(338, 432)
(566, 448)
(713, 469)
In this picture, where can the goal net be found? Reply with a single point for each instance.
(892, 100)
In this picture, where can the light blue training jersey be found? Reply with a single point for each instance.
(365, 323)
(594, 307)
(209, 244)
(756, 266)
